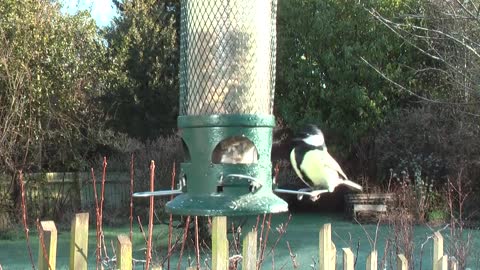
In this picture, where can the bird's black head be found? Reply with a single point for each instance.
(311, 135)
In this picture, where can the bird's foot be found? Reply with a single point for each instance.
(306, 190)
(315, 194)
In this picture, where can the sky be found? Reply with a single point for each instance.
(102, 10)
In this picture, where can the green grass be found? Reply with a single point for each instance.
(302, 234)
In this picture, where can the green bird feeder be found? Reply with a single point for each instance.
(227, 79)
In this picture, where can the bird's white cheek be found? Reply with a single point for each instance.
(315, 140)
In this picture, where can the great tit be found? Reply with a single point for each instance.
(315, 166)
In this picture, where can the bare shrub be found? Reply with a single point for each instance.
(165, 151)
(460, 239)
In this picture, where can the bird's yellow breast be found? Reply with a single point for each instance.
(315, 166)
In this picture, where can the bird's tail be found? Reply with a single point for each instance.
(352, 185)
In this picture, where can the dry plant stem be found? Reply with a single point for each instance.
(24, 217)
(150, 216)
(282, 230)
(141, 229)
(273, 260)
(385, 255)
(372, 242)
(42, 243)
(457, 194)
(197, 246)
(132, 174)
(169, 252)
(97, 215)
(185, 235)
(263, 227)
(293, 257)
(356, 252)
(421, 250)
(170, 223)
(258, 222)
(260, 258)
(264, 243)
(236, 237)
(112, 246)
(102, 197)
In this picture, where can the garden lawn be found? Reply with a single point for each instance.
(302, 235)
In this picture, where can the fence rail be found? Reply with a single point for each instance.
(220, 252)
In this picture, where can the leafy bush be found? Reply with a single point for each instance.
(321, 77)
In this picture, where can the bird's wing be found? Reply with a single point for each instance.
(330, 162)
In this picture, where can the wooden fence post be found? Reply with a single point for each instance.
(249, 252)
(443, 263)
(372, 260)
(79, 242)
(124, 253)
(402, 262)
(325, 248)
(333, 258)
(47, 252)
(219, 243)
(453, 264)
(437, 251)
(348, 259)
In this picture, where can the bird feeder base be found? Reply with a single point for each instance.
(226, 205)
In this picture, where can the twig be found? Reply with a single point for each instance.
(421, 249)
(264, 244)
(293, 257)
(97, 215)
(114, 258)
(42, 243)
(24, 217)
(150, 216)
(282, 229)
(170, 223)
(132, 174)
(236, 233)
(197, 247)
(185, 234)
(102, 198)
(141, 229)
(169, 252)
(356, 252)
(256, 224)
(372, 242)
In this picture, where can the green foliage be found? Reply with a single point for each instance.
(142, 92)
(321, 77)
(51, 70)
(437, 216)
